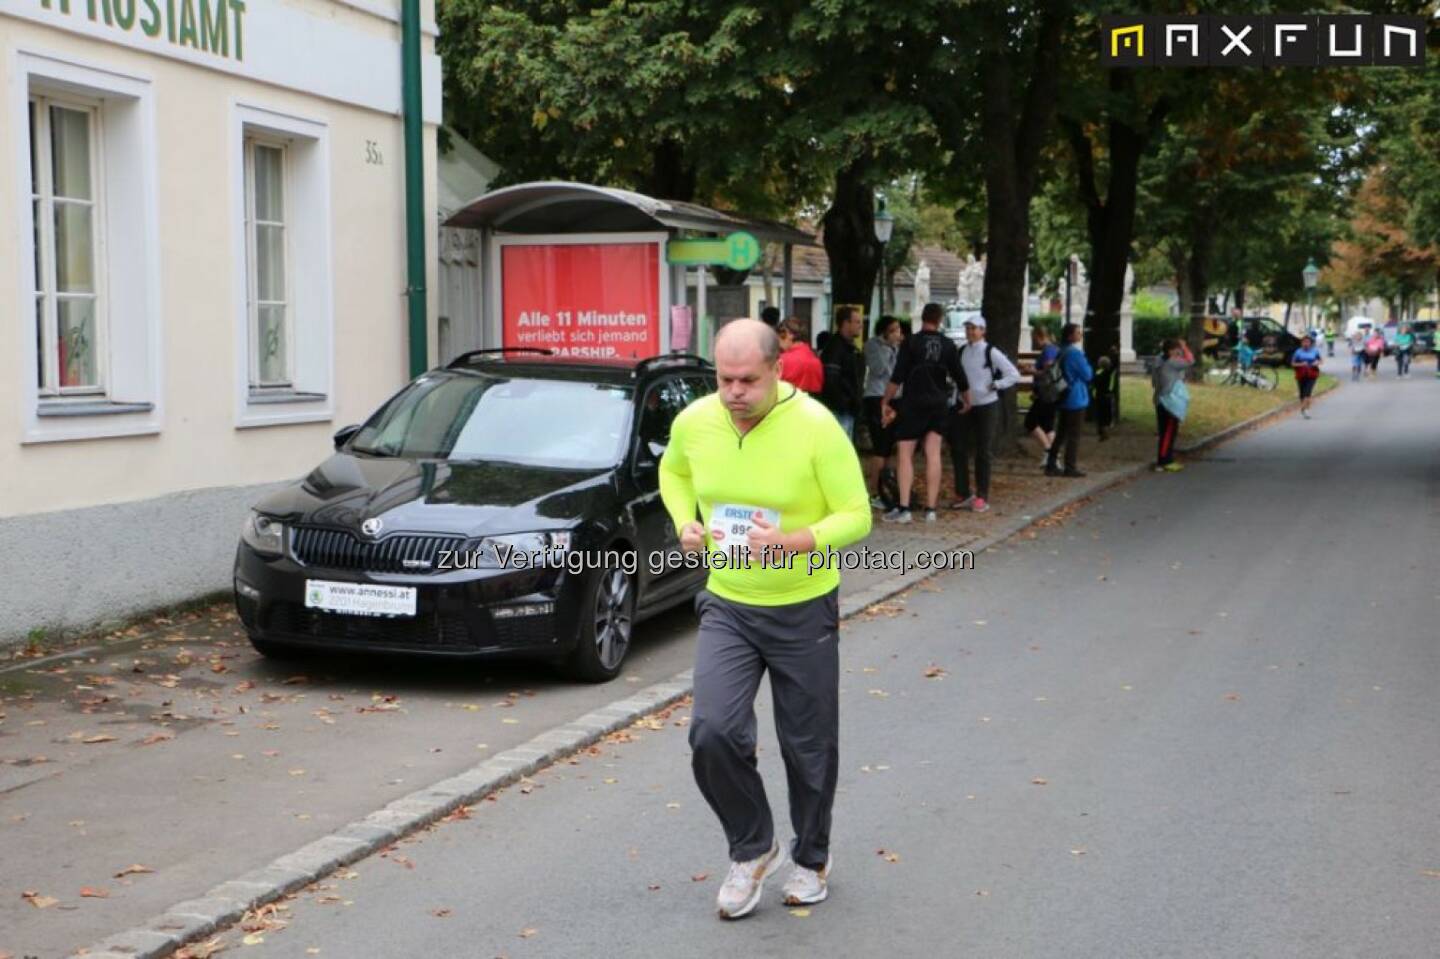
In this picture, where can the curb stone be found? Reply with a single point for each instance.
(227, 903)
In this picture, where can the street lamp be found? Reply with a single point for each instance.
(884, 226)
(1311, 275)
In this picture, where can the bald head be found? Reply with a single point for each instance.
(740, 339)
(747, 369)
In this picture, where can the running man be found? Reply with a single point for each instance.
(769, 467)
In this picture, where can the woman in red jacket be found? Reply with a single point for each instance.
(798, 363)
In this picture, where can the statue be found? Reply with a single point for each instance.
(922, 283)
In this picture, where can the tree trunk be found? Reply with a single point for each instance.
(671, 177)
(1013, 134)
(1202, 242)
(1240, 298)
(850, 242)
(1110, 221)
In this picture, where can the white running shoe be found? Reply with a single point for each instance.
(897, 515)
(805, 887)
(740, 892)
(930, 516)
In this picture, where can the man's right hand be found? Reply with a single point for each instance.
(692, 537)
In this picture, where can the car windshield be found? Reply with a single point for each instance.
(535, 422)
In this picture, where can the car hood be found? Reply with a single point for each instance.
(437, 496)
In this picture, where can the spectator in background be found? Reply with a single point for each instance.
(880, 353)
(1040, 420)
(1175, 359)
(844, 370)
(988, 371)
(1104, 392)
(1072, 405)
(928, 369)
(770, 316)
(799, 365)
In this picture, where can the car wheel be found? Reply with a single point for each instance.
(607, 622)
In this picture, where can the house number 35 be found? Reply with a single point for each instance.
(373, 154)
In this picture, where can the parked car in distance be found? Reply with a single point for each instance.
(505, 506)
(1424, 331)
(1357, 324)
(1273, 342)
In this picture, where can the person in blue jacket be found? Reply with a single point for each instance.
(1072, 404)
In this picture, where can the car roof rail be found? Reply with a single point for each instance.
(673, 359)
(465, 359)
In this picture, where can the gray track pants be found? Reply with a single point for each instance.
(799, 644)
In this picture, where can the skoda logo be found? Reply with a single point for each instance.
(372, 527)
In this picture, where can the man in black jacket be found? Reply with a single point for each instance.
(844, 371)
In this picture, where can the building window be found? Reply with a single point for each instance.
(66, 211)
(267, 266)
(88, 290)
(283, 280)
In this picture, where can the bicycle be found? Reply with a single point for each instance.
(1236, 373)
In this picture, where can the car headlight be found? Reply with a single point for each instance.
(523, 550)
(264, 534)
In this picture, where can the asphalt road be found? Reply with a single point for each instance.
(1196, 719)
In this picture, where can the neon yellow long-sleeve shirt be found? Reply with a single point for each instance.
(796, 461)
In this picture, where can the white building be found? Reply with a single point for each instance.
(203, 266)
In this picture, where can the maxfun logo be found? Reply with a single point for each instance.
(1268, 41)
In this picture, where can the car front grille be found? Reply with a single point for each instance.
(430, 630)
(339, 549)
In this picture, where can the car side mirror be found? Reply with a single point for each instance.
(647, 459)
(344, 434)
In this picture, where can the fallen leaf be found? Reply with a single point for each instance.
(982, 892)
(439, 913)
(700, 877)
(90, 892)
(297, 772)
(1078, 852)
(800, 913)
(888, 856)
(295, 681)
(653, 887)
(611, 781)
(401, 860)
(527, 933)
(1040, 781)
(132, 871)
(100, 738)
(1232, 697)
(1430, 873)
(313, 951)
(935, 672)
(37, 900)
(252, 939)
(510, 722)
(154, 738)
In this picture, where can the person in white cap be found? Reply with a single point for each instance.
(972, 434)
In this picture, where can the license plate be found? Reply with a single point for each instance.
(360, 599)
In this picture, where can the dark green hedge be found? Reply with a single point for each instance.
(1151, 331)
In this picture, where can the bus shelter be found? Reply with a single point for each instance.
(603, 273)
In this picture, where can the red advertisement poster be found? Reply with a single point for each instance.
(593, 300)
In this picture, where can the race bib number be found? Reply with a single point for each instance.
(731, 523)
